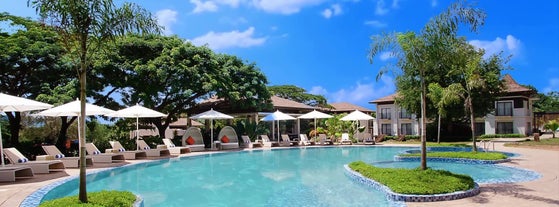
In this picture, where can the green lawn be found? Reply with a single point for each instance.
(542, 142)
(415, 181)
(96, 199)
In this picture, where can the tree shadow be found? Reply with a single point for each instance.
(513, 190)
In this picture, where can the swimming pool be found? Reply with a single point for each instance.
(282, 177)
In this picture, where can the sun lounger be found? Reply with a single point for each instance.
(99, 157)
(174, 150)
(305, 140)
(74, 162)
(228, 138)
(345, 139)
(15, 157)
(287, 141)
(248, 144)
(129, 155)
(10, 173)
(267, 143)
(368, 139)
(152, 152)
(192, 138)
(324, 140)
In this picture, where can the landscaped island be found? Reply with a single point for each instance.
(98, 199)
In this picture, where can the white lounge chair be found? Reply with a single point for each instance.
(193, 139)
(99, 157)
(249, 144)
(228, 138)
(267, 143)
(368, 139)
(345, 139)
(9, 173)
(287, 141)
(305, 140)
(15, 157)
(174, 150)
(74, 162)
(152, 152)
(129, 155)
(324, 140)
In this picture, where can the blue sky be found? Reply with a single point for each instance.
(322, 45)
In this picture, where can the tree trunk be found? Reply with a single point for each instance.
(472, 124)
(423, 128)
(82, 74)
(15, 125)
(63, 133)
(439, 130)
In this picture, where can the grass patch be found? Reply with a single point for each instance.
(96, 199)
(466, 155)
(415, 181)
(542, 142)
(449, 144)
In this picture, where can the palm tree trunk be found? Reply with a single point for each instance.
(472, 124)
(439, 130)
(82, 73)
(423, 128)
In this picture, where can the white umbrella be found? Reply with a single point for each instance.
(277, 116)
(315, 115)
(74, 109)
(211, 115)
(137, 111)
(10, 103)
(356, 116)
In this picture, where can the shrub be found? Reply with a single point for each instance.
(487, 136)
(96, 199)
(415, 181)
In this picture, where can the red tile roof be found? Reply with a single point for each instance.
(389, 98)
(512, 86)
(279, 102)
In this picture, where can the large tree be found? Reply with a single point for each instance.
(84, 27)
(421, 56)
(173, 76)
(298, 94)
(31, 58)
(547, 102)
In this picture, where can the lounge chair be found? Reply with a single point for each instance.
(228, 138)
(193, 139)
(248, 144)
(324, 140)
(15, 157)
(129, 155)
(99, 157)
(286, 141)
(174, 150)
(74, 162)
(267, 143)
(345, 139)
(368, 139)
(152, 152)
(305, 140)
(9, 173)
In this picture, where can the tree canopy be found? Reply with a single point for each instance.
(298, 94)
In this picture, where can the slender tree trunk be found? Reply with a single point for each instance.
(439, 129)
(472, 123)
(81, 122)
(15, 125)
(423, 128)
(63, 133)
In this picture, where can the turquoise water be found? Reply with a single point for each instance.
(291, 177)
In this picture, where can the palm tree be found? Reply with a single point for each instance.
(552, 125)
(85, 26)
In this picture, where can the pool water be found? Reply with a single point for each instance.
(282, 177)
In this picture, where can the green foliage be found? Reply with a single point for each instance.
(252, 129)
(96, 199)
(547, 102)
(298, 94)
(488, 136)
(430, 144)
(466, 155)
(415, 181)
(552, 125)
(335, 127)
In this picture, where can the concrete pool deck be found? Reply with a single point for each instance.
(541, 192)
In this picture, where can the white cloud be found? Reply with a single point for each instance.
(434, 3)
(231, 3)
(509, 45)
(209, 6)
(375, 23)
(386, 55)
(230, 39)
(166, 18)
(334, 10)
(284, 6)
(380, 8)
(360, 93)
(395, 4)
(553, 85)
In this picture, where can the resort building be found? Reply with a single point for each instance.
(513, 114)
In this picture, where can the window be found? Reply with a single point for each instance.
(504, 128)
(480, 128)
(504, 108)
(404, 114)
(406, 129)
(385, 113)
(518, 103)
(386, 129)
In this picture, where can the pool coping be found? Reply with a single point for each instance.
(391, 195)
